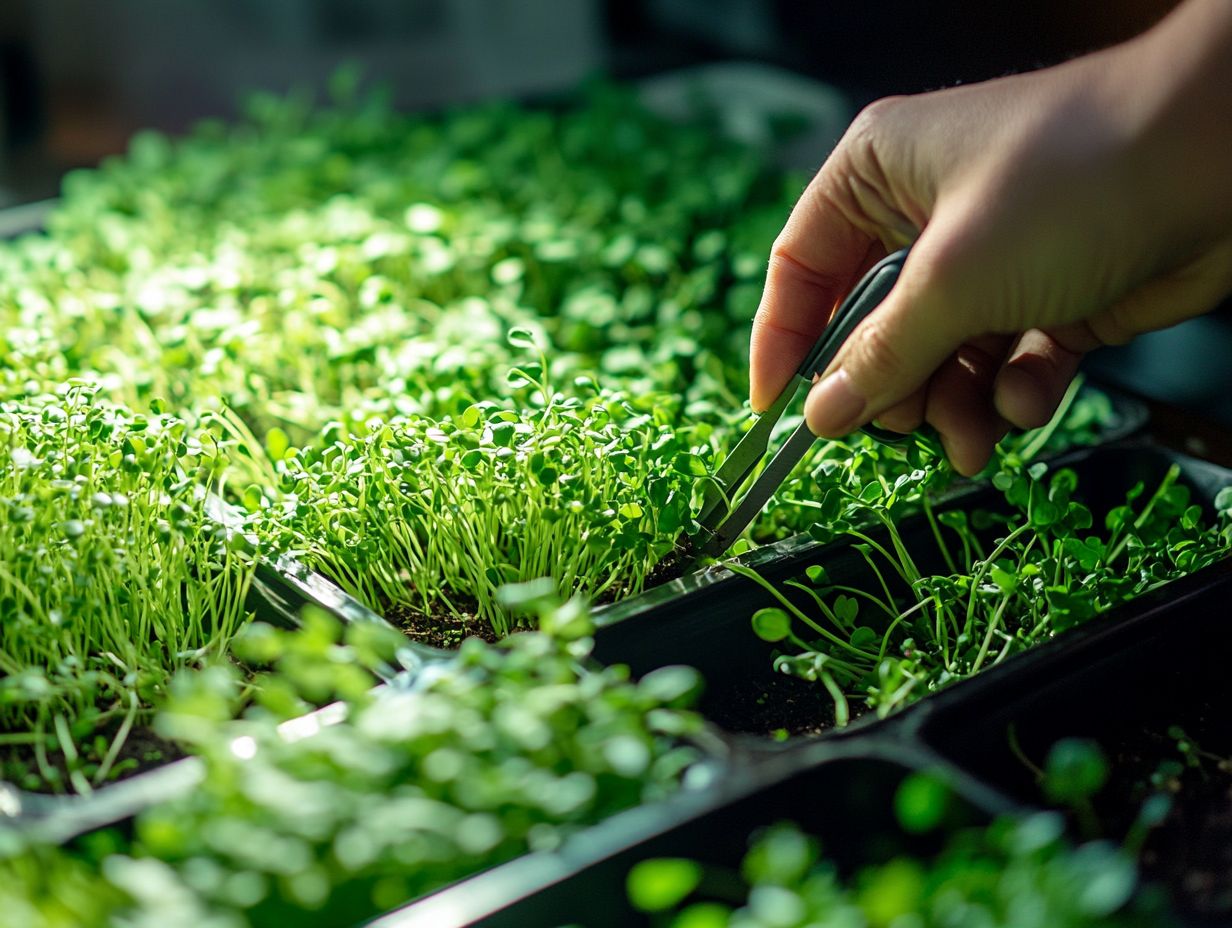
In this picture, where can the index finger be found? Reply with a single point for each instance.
(815, 260)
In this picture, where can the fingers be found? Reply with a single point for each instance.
(1035, 376)
(1042, 364)
(890, 355)
(795, 306)
(906, 415)
(960, 403)
(824, 247)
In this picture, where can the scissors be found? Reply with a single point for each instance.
(723, 516)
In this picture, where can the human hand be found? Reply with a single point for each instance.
(1051, 212)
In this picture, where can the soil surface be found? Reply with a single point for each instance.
(442, 629)
(439, 629)
(142, 750)
(1190, 853)
(779, 706)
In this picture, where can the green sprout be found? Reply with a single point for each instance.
(505, 749)
(438, 514)
(1013, 872)
(1015, 580)
(112, 577)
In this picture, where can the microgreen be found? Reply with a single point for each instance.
(1190, 756)
(1014, 579)
(312, 263)
(1017, 871)
(505, 749)
(311, 270)
(591, 487)
(111, 575)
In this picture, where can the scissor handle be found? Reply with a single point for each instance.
(867, 295)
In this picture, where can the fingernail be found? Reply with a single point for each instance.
(833, 407)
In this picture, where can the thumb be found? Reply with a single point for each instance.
(892, 353)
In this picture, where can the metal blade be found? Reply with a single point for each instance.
(742, 461)
(770, 479)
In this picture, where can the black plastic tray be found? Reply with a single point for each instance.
(830, 765)
(703, 620)
(585, 880)
(842, 792)
(1120, 685)
(287, 586)
(277, 594)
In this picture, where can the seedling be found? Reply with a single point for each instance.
(504, 750)
(1016, 580)
(984, 876)
(590, 487)
(111, 577)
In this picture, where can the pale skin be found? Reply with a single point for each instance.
(1049, 213)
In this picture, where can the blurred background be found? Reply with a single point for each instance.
(78, 77)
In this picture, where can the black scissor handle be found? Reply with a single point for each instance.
(866, 296)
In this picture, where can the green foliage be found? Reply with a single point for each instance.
(662, 883)
(505, 749)
(437, 514)
(310, 262)
(335, 283)
(111, 576)
(1014, 579)
(1013, 874)
(1075, 771)
(44, 888)
(921, 802)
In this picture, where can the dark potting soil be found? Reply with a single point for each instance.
(142, 750)
(439, 629)
(669, 568)
(779, 706)
(1190, 853)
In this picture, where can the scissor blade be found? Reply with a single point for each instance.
(742, 461)
(770, 479)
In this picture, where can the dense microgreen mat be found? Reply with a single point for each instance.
(327, 280)
(510, 748)
(448, 352)
(590, 488)
(112, 576)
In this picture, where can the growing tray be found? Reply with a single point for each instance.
(277, 594)
(703, 619)
(815, 781)
(838, 787)
(287, 585)
(842, 793)
(592, 864)
(1122, 686)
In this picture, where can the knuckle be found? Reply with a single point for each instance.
(872, 119)
(784, 266)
